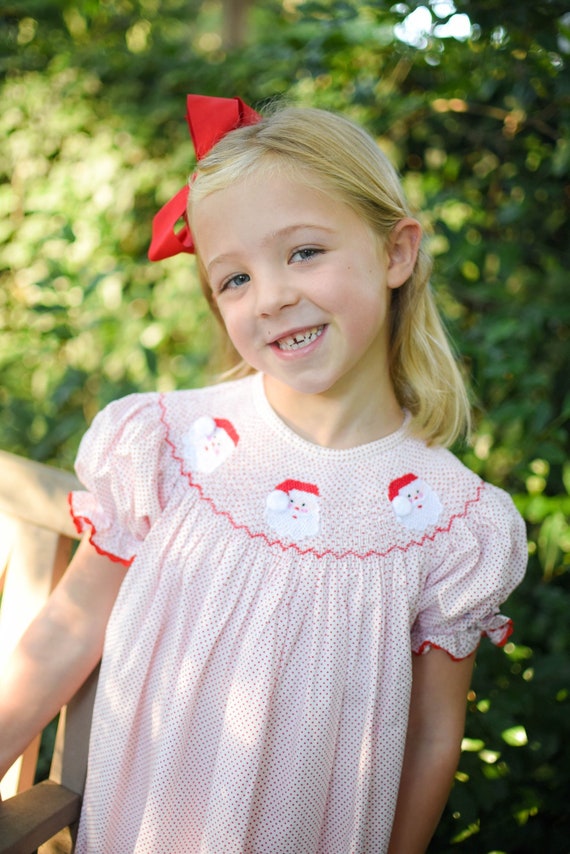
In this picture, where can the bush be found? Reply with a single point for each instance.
(92, 142)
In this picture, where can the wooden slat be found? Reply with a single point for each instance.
(34, 816)
(38, 558)
(36, 493)
(69, 763)
(36, 533)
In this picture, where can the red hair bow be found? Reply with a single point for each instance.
(209, 119)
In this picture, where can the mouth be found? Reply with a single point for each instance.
(299, 339)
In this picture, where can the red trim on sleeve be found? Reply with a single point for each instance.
(427, 645)
(83, 522)
(508, 629)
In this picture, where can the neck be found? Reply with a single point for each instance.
(336, 420)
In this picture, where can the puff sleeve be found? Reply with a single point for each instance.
(483, 560)
(119, 464)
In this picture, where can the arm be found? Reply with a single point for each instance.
(57, 651)
(433, 745)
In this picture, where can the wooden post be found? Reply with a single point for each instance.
(36, 534)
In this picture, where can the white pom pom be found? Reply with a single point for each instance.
(401, 505)
(277, 501)
(203, 426)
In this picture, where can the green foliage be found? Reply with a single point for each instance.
(511, 789)
(93, 141)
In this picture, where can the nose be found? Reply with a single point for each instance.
(273, 293)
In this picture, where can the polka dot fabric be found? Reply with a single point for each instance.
(254, 690)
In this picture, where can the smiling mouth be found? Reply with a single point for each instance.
(300, 339)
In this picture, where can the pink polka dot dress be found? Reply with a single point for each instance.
(256, 675)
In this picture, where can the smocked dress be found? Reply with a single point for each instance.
(256, 675)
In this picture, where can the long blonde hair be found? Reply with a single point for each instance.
(345, 160)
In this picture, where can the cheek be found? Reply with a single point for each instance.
(366, 317)
(240, 331)
(232, 321)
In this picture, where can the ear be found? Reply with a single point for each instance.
(402, 248)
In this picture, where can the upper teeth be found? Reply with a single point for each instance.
(300, 339)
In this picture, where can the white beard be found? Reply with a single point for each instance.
(417, 506)
(206, 453)
(298, 519)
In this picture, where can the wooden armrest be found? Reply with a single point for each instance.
(34, 816)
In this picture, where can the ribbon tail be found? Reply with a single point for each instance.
(165, 241)
(209, 119)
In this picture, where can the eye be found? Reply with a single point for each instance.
(304, 254)
(234, 282)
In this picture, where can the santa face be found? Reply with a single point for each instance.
(207, 445)
(293, 514)
(417, 506)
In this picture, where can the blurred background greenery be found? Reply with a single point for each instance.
(471, 100)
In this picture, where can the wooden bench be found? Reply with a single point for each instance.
(36, 541)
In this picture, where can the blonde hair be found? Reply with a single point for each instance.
(346, 162)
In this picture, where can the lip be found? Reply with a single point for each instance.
(291, 333)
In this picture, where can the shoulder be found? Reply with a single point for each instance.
(435, 467)
(179, 409)
(142, 408)
(138, 404)
(424, 477)
(144, 434)
(437, 460)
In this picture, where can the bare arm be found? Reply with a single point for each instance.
(58, 650)
(433, 744)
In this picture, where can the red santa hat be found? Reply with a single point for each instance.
(206, 426)
(400, 504)
(399, 484)
(278, 499)
(226, 425)
(289, 485)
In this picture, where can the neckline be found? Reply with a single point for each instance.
(369, 449)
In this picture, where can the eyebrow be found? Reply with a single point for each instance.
(281, 232)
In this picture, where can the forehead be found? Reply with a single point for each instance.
(265, 202)
(249, 164)
(276, 174)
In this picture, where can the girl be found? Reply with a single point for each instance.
(290, 572)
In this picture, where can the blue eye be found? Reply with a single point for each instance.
(235, 282)
(305, 254)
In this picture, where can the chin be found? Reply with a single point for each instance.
(308, 387)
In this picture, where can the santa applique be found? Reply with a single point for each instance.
(208, 443)
(292, 509)
(414, 503)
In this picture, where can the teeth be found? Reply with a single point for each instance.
(300, 339)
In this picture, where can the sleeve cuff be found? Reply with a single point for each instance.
(83, 523)
(461, 643)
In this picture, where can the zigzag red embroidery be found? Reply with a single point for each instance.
(293, 546)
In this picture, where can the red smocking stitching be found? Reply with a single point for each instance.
(293, 546)
(81, 522)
